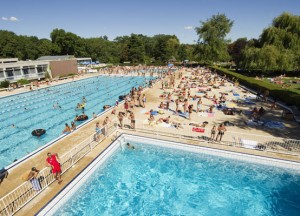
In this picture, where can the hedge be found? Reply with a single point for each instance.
(288, 96)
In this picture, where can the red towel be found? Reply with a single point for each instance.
(200, 130)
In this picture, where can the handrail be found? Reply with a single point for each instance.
(20, 196)
(231, 138)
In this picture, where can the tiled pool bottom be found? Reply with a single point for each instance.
(167, 178)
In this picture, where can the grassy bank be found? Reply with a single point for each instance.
(289, 96)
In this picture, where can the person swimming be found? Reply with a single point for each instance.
(130, 146)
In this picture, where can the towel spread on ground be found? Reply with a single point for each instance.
(210, 114)
(274, 124)
(249, 143)
(236, 94)
(202, 114)
(249, 102)
(196, 129)
(143, 111)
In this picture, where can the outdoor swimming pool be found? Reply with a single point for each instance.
(32, 110)
(179, 180)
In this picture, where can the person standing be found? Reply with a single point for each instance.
(132, 120)
(221, 131)
(32, 177)
(213, 133)
(105, 125)
(52, 161)
(120, 117)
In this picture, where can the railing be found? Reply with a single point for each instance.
(230, 138)
(19, 197)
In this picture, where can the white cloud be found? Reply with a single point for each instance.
(13, 19)
(188, 27)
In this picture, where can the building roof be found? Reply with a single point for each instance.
(56, 58)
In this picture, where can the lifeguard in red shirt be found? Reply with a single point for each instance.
(52, 161)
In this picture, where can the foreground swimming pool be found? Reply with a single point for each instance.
(153, 180)
(39, 109)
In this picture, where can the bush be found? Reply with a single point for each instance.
(23, 81)
(4, 84)
(288, 96)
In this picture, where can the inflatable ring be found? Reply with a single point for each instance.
(38, 132)
(106, 107)
(82, 118)
(122, 97)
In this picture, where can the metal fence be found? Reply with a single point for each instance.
(230, 138)
(19, 197)
(15, 200)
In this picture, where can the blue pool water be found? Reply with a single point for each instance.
(158, 181)
(34, 110)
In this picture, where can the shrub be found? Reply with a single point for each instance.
(23, 81)
(4, 84)
(289, 96)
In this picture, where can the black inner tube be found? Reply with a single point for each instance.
(82, 118)
(38, 132)
(106, 107)
(122, 97)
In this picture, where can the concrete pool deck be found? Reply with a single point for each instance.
(14, 177)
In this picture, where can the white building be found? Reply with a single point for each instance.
(13, 70)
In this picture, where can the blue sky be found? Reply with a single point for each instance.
(93, 18)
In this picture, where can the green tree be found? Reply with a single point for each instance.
(212, 45)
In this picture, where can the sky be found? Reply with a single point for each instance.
(94, 18)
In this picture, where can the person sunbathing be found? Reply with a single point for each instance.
(166, 120)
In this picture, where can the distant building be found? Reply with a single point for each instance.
(13, 70)
(61, 65)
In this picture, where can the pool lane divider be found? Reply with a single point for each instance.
(23, 159)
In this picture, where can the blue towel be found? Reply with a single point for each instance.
(235, 94)
(249, 102)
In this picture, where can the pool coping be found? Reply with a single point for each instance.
(66, 191)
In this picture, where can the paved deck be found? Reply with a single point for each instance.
(14, 178)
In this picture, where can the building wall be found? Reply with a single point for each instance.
(63, 68)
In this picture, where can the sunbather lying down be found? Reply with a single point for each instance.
(199, 125)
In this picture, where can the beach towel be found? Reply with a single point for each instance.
(199, 130)
(236, 94)
(164, 124)
(202, 114)
(185, 115)
(143, 111)
(249, 102)
(251, 144)
(210, 114)
(274, 125)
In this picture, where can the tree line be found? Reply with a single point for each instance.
(277, 48)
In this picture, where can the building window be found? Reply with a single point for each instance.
(9, 72)
(25, 70)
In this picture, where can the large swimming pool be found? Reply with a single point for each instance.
(32, 110)
(153, 180)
